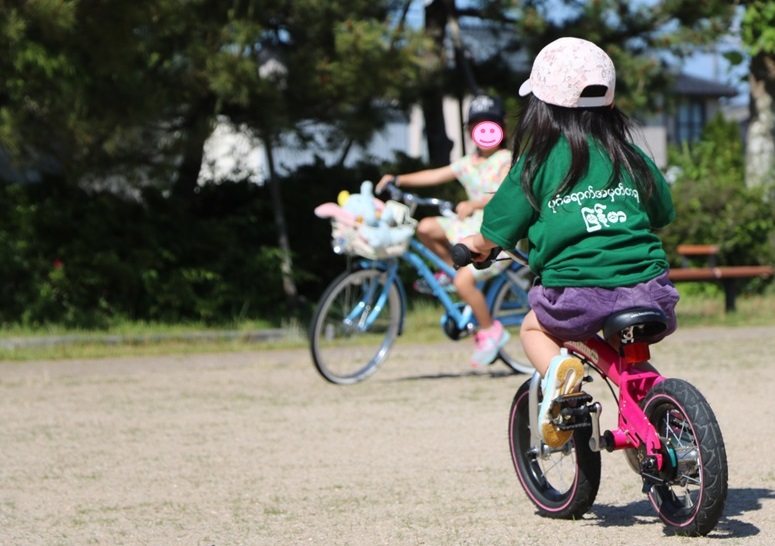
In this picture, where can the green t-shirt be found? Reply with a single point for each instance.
(591, 235)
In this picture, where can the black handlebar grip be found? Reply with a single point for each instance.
(461, 255)
(482, 265)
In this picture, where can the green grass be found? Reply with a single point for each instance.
(140, 339)
(707, 308)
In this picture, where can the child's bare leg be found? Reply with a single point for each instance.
(465, 284)
(431, 234)
(540, 347)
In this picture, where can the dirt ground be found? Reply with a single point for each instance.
(255, 448)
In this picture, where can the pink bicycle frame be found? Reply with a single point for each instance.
(634, 428)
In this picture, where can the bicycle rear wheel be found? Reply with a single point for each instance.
(356, 322)
(510, 306)
(690, 500)
(562, 483)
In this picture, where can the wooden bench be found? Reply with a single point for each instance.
(727, 275)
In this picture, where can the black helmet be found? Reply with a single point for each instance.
(486, 108)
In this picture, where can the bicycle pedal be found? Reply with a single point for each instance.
(573, 418)
(573, 426)
(579, 397)
(567, 412)
(572, 411)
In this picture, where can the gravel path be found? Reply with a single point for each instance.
(255, 448)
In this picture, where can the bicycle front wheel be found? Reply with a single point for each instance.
(510, 306)
(691, 494)
(356, 322)
(562, 483)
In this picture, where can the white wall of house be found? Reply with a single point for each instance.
(417, 143)
(653, 140)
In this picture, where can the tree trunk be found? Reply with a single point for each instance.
(286, 262)
(760, 146)
(439, 144)
(461, 56)
(196, 130)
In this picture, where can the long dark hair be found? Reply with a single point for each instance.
(541, 125)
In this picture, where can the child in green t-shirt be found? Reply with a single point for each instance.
(588, 201)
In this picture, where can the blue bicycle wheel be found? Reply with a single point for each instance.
(509, 306)
(355, 325)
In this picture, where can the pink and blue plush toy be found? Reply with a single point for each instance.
(374, 222)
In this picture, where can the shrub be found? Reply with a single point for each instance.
(713, 204)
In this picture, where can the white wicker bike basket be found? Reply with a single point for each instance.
(348, 239)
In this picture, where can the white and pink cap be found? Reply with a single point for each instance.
(564, 68)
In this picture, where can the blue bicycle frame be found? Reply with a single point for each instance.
(418, 256)
(369, 298)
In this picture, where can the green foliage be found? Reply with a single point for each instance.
(84, 260)
(131, 90)
(758, 26)
(713, 204)
(87, 260)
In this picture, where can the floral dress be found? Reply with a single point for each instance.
(480, 176)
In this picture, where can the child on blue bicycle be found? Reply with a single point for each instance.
(480, 173)
(588, 201)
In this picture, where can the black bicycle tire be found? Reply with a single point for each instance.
(549, 501)
(712, 461)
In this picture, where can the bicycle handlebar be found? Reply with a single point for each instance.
(461, 256)
(446, 208)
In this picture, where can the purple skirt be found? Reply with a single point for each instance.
(576, 313)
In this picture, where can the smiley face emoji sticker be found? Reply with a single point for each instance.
(487, 134)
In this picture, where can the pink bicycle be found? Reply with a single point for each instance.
(666, 428)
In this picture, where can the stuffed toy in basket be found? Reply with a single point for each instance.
(362, 225)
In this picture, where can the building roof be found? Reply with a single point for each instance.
(692, 86)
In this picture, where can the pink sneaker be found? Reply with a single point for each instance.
(488, 343)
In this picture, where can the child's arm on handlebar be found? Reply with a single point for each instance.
(462, 256)
(426, 177)
(446, 208)
(479, 245)
(475, 249)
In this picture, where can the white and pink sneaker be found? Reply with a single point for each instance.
(488, 343)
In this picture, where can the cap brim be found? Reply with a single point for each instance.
(525, 88)
(593, 102)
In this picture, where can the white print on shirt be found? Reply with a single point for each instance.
(591, 193)
(597, 218)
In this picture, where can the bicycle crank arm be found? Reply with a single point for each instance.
(596, 442)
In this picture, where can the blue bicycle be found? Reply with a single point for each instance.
(362, 312)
